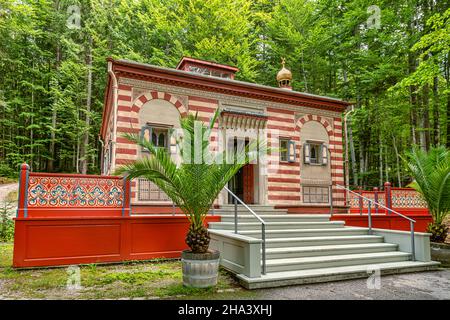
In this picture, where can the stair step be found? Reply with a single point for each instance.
(276, 225)
(278, 217)
(290, 264)
(292, 233)
(245, 211)
(253, 206)
(321, 241)
(278, 279)
(311, 251)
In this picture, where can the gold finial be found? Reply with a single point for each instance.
(284, 74)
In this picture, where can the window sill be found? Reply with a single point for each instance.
(315, 164)
(288, 162)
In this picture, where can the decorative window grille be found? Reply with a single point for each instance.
(148, 191)
(314, 194)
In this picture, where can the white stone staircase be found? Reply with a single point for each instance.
(309, 248)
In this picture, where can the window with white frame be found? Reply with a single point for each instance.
(315, 153)
(287, 150)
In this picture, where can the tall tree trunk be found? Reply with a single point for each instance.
(436, 125)
(413, 100)
(85, 143)
(304, 72)
(380, 159)
(51, 160)
(426, 117)
(397, 161)
(386, 164)
(361, 163)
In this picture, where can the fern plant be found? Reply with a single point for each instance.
(431, 173)
(192, 186)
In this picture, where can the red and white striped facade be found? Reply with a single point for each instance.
(288, 114)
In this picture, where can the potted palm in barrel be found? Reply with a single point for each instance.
(193, 186)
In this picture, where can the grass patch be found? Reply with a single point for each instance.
(131, 280)
(6, 255)
(138, 277)
(180, 290)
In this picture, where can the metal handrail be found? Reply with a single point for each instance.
(263, 226)
(369, 215)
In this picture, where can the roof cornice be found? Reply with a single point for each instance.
(147, 72)
(185, 78)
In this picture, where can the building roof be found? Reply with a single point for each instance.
(132, 69)
(249, 84)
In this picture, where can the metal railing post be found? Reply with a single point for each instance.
(413, 248)
(361, 202)
(330, 191)
(235, 216)
(388, 210)
(263, 236)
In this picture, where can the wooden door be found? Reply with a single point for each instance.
(248, 184)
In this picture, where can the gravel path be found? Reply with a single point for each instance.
(410, 286)
(5, 189)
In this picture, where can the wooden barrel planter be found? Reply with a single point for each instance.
(441, 252)
(200, 270)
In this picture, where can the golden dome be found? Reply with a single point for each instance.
(284, 74)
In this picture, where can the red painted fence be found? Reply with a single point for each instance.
(383, 221)
(69, 219)
(406, 201)
(71, 195)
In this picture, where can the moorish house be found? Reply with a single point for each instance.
(92, 219)
(306, 129)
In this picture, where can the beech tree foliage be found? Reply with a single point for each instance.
(391, 58)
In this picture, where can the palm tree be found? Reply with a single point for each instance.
(192, 186)
(431, 173)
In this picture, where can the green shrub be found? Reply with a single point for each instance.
(6, 223)
(7, 171)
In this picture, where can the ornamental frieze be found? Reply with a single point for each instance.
(183, 93)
